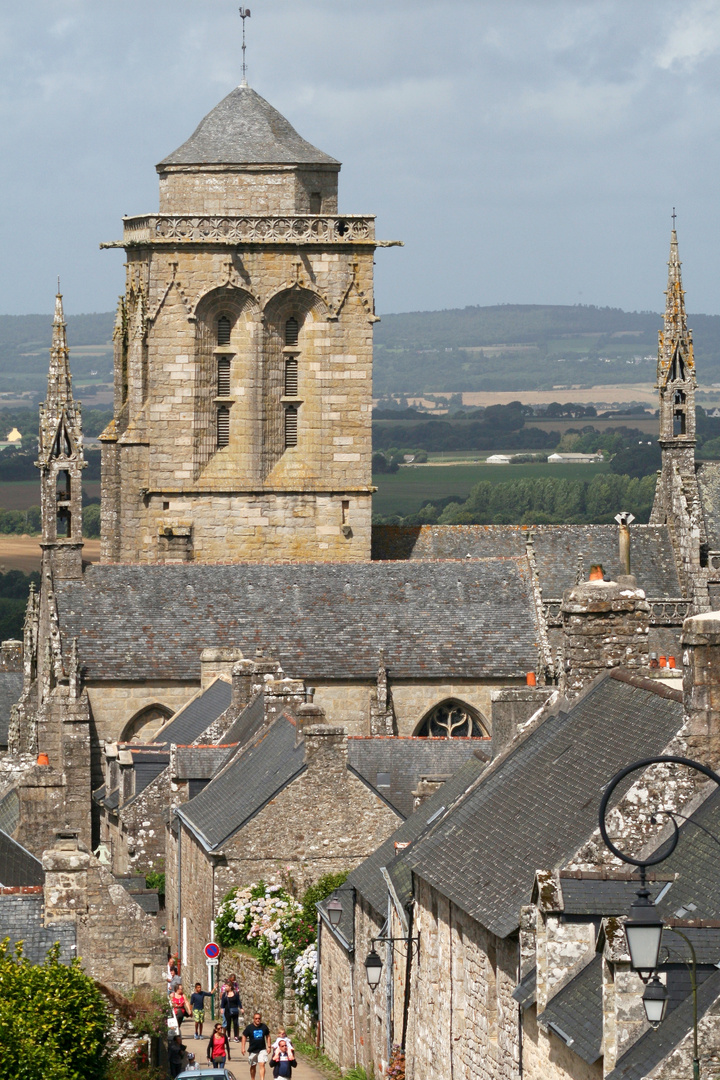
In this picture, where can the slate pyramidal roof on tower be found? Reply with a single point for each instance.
(244, 129)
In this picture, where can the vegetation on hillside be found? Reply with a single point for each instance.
(14, 589)
(25, 343)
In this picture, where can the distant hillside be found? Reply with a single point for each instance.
(520, 347)
(511, 347)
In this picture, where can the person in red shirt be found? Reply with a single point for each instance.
(218, 1049)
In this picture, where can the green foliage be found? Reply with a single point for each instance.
(499, 427)
(710, 449)
(156, 880)
(551, 501)
(324, 887)
(14, 588)
(54, 1023)
(91, 520)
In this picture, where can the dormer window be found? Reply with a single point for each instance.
(292, 330)
(223, 330)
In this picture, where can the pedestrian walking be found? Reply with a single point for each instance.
(218, 1049)
(174, 979)
(256, 1037)
(176, 1055)
(231, 1006)
(197, 1005)
(283, 1059)
(180, 1005)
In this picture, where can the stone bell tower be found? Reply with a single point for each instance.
(243, 356)
(61, 461)
(677, 496)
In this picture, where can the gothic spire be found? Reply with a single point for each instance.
(675, 351)
(59, 410)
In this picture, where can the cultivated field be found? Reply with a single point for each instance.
(405, 491)
(23, 553)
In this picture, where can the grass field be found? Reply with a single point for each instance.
(405, 491)
(24, 493)
(23, 553)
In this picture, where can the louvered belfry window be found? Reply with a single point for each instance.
(223, 330)
(291, 377)
(223, 376)
(291, 426)
(291, 331)
(223, 427)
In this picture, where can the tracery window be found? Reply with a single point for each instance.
(451, 720)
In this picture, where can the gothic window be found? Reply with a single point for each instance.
(292, 330)
(62, 486)
(679, 416)
(145, 724)
(61, 446)
(291, 377)
(291, 426)
(677, 368)
(223, 427)
(451, 720)
(223, 330)
(223, 376)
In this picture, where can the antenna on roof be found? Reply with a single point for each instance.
(244, 14)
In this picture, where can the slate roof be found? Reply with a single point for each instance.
(367, 878)
(193, 719)
(708, 477)
(593, 896)
(393, 764)
(147, 766)
(326, 620)
(537, 803)
(245, 786)
(556, 550)
(577, 1011)
(201, 762)
(655, 1045)
(525, 993)
(21, 920)
(248, 722)
(695, 861)
(245, 129)
(17, 866)
(11, 683)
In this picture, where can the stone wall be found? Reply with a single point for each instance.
(605, 625)
(464, 1018)
(258, 987)
(116, 941)
(546, 1057)
(115, 704)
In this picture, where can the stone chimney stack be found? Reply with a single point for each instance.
(701, 687)
(214, 662)
(282, 695)
(66, 873)
(309, 715)
(605, 625)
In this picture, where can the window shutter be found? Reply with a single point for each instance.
(291, 331)
(291, 378)
(223, 427)
(291, 426)
(223, 330)
(223, 376)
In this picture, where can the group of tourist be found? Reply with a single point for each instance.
(255, 1038)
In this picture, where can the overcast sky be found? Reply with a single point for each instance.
(526, 151)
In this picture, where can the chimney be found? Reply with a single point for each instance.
(309, 715)
(282, 695)
(242, 684)
(66, 888)
(605, 625)
(624, 521)
(214, 662)
(701, 687)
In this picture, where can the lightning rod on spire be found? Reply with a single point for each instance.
(674, 215)
(244, 14)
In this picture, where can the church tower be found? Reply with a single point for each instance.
(243, 356)
(677, 495)
(61, 461)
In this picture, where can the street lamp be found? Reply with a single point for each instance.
(655, 1001)
(643, 930)
(334, 910)
(373, 967)
(644, 926)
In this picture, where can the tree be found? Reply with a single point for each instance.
(54, 1023)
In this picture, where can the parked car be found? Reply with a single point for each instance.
(218, 1074)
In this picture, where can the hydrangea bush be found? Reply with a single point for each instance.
(260, 915)
(305, 978)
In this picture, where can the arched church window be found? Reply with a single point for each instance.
(292, 329)
(451, 720)
(145, 724)
(223, 330)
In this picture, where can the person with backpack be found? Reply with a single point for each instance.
(218, 1049)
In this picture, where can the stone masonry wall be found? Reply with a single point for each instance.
(546, 1057)
(464, 1019)
(113, 705)
(258, 988)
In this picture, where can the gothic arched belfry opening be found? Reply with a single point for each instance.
(243, 356)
